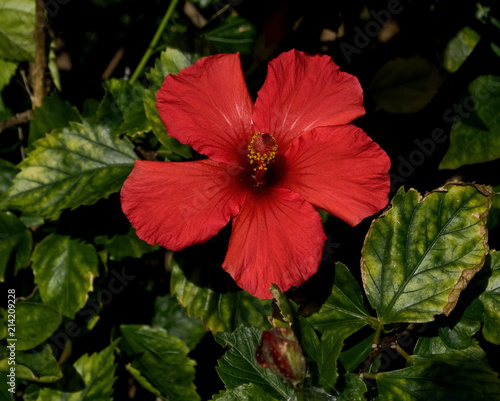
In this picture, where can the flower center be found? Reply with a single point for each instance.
(262, 151)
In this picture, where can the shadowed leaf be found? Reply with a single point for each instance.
(475, 136)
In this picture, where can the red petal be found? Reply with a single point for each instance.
(207, 106)
(340, 170)
(276, 238)
(302, 92)
(180, 204)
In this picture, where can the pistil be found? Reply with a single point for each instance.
(262, 151)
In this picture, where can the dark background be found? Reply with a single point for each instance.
(89, 34)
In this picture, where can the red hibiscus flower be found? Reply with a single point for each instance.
(269, 165)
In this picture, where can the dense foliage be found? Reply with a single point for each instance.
(405, 306)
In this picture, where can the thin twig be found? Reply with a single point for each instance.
(376, 337)
(219, 12)
(19, 118)
(380, 344)
(40, 64)
(21, 139)
(113, 63)
(401, 351)
(26, 83)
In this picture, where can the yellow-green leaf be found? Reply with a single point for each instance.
(74, 166)
(459, 48)
(64, 270)
(422, 252)
(98, 374)
(171, 61)
(17, 22)
(214, 298)
(34, 324)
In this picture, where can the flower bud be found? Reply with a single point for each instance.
(280, 352)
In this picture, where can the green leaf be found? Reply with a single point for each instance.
(31, 220)
(171, 61)
(7, 70)
(5, 112)
(122, 107)
(162, 359)
(490, 299)
(404, 85)
(121, 246)
(98, 374)
(354, 390)
(288, 309)
(459, 336)
(475, 134)
(495, 48)
(459, 48)
(54, 113)
(64, 284)
(5, 394)
(238, 366)
(38, 365)
(7, 173)
(17, 19)
(173, 317)
(494, 215)
(435, 347)
(327, 354)
(432, 379)
(308, 338)
(3, 323)
(421, 253)
(16, 243)
(136, 374)
(74, 166)
(34, 324)
(304, 331)
(31, 392)
(355, 355)
(244, 392)
(52, 66)
(344, 307)
(233, 34)
(206, 295)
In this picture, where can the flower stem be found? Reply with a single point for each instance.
(402, 352)
(154, 41)
(299, 392)
(376, 338)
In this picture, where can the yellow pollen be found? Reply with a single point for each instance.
(262, 150)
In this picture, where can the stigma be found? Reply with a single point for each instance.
(262, 151)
